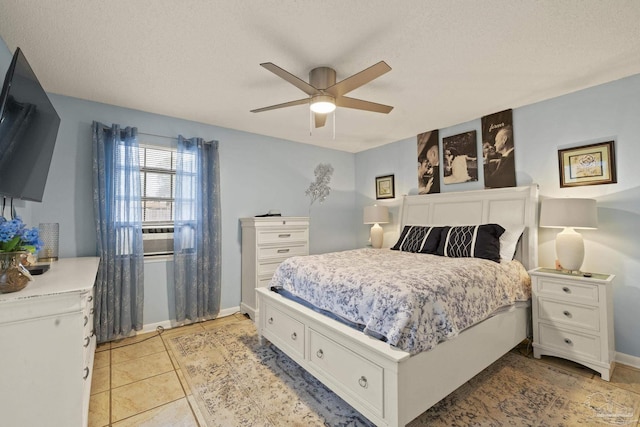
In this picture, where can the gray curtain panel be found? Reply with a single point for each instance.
(119, 287)
(197, 263)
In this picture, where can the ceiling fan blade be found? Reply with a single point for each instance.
(359, 104)
(297, 82)
(319, 119)
(283, 105)
(363, 77)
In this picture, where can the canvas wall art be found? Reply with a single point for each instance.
(428, 163)
(498, 150)
(460, 158)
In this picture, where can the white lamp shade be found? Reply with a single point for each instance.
(576, 213)
(376, 214)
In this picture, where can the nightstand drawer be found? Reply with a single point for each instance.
(581, 316)
(569, 342)
(565, 289)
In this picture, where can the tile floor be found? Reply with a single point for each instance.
(137, 382)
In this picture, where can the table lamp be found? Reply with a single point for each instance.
(376, 215)
(569, 214)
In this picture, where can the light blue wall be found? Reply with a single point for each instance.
(257, 173)
(607, 112)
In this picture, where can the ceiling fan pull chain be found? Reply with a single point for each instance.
(310, 123)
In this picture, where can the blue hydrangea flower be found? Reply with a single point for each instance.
(27, 238)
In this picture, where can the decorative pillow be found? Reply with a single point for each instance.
(418, 239)
(509, 241)
(471, 241)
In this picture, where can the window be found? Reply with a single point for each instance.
(158, 177)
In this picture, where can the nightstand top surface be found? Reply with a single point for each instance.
(596, 276)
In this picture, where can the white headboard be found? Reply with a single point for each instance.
(514, 205)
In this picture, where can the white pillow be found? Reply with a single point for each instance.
(509, 241)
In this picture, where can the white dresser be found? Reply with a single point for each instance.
(47, 346)
(573, 318)
(266, 242)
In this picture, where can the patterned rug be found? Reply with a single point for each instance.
(237, 382)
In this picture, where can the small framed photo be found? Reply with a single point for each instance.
(587, 165)
(385, 187)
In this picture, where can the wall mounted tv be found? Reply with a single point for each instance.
(28, 131)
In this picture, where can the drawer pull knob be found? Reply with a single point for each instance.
(86, 320)
(294, 336)
(568, 341)
(320, 354)
(566, 289)
(86, 373)
(90, 298)
(87, 340)
(284, 236)
(283, 251)
(566, 313)
(270, 320)
(363, 382)
(91, 311)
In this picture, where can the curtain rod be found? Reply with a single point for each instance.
(159, 136)
(167, 137)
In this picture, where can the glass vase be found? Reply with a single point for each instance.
(13, 275)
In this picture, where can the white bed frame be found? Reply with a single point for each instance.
(397, 387)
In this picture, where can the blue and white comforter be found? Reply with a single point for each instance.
(413, 300)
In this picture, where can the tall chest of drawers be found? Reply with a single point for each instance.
(573, 318)
(266, 242)
(48, 344)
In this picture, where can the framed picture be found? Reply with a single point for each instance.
(385, 188)
(587, 165)
(460, 158)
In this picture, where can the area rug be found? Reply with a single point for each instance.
(237, 382)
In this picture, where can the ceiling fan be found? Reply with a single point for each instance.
(325, 94)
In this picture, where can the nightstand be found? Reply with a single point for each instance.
(573, 318)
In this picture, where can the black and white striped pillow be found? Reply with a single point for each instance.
(418, 239)
(471, 241)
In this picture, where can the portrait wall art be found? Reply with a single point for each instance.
(498, 150)
(460, 158)
(428, 163)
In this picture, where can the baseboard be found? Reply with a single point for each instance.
(627, 359)
(168, 324)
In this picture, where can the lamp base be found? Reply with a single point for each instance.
(377, 236)
(570, 249)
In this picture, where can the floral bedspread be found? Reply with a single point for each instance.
(413, 300)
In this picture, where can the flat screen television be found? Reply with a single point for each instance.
(28, 131)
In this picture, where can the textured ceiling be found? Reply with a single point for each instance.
(452, 61)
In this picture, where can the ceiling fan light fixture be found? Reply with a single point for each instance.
(322, 104)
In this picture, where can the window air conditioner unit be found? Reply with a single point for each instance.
(157, 240)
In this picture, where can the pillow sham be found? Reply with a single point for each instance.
(471, 241)
(418, 239)
(509, 241)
